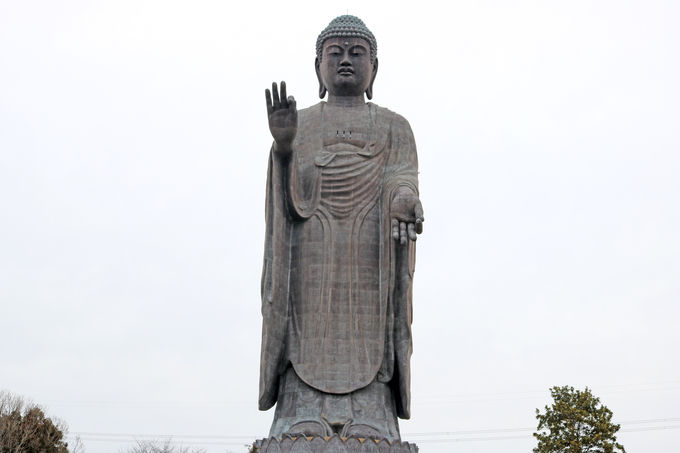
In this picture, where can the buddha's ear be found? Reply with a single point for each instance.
(322, 87)
(369, 90)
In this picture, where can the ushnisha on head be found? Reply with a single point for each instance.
(346, 58)
(346, 27)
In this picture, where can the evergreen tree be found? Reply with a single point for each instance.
(576, 423)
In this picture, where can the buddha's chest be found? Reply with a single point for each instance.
(346, 128)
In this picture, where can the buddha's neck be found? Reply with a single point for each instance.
(346, 101)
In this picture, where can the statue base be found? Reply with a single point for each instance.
(333, 444)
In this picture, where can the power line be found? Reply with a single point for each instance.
(164, 436)
(509, 430)
(476, 431)
(250, 440)
(424, 437)
(470, 439)
(649, 420)
(541, 394)
(650, 428)
(147, 404)
(200, 442)
(479, 439)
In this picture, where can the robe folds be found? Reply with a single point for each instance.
(336, 288)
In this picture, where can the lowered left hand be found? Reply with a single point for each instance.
(407, 215)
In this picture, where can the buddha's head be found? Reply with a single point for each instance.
(346, 58)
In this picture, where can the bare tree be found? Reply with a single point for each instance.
(24, 428)
(151, 446)
(77, 445)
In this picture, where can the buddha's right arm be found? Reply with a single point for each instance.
(283, 151)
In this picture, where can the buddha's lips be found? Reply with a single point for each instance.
(345, 71)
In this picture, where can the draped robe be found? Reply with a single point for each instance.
(336, 288)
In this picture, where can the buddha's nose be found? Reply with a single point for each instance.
(345, 61)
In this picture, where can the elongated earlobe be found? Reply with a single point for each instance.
(369, 90)
(322, 87)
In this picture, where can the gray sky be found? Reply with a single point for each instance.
(133, 152)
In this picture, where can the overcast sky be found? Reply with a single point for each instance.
(133, 153)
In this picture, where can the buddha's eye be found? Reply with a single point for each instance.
(357, 51)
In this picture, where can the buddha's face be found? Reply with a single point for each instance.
(345, 68)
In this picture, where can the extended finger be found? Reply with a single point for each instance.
(284, 99)
(402, 233)
(291, 103)
(420, 218)
(268, 96)
(412, 231)
(395, 229)
(275, 94)
(418, 211)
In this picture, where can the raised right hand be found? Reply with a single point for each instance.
(282, 115)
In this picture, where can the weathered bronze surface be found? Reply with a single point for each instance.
(333, 444)
(342, 218)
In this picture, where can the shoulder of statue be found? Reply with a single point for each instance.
(310, 111)
(309, 116)
(393, 120)
(389, 116)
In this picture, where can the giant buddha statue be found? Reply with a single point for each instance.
(342, 218)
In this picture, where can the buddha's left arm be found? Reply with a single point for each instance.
(401, 180)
